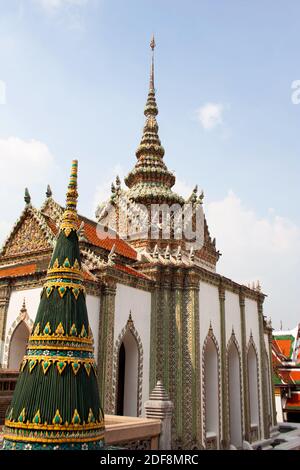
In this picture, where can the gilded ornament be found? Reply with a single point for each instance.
(37, 418)
(45, 365)
(73, 330)
(76, 418)
(61, 365)
(75, 367)
(21, 417)
(47, 329)
(37, 330)
(57, 419)
(32, 365)
(60, 330)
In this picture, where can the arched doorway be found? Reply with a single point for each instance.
(211, 393)
(253, 392)
(234, 385)
(18, 345)
(128, 367)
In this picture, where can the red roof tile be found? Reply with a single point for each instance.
(285, 346)
(293, 402)
(91, 233)
(129, 270)
(14, 271)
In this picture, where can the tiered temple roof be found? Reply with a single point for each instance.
(286, 365)
(150, 181)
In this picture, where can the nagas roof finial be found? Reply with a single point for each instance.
(70, 218)
(27, 197)
(49, 191)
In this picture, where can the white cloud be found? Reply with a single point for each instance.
(259, 248)
(23, 160)
(22, 163)
(54, 5)
(103, 190)
(68, 13)
(182, 188)
(210, 115)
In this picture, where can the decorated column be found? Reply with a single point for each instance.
(246, 396)
(4, 301)
(225, 398)
(263, 366)
(56, 403)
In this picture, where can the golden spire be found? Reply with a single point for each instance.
(152, 45)
(150, 180)
(70, 218)
(151, 106)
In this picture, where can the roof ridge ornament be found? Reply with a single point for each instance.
(49, 191)
(27, 197)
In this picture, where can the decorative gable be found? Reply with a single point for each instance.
(53, 210)
(31, 233)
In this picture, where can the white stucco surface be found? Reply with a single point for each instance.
(93, 308)
(138, 302)
(232, 316)
(32, 300)
(209, 311)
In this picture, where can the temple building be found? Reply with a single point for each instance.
(157, 307)
(286, 366)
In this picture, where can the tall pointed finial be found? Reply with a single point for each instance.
(70, 218)
(49, 191)
(152, 45)
(27, 197)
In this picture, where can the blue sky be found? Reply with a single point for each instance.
(76, 76)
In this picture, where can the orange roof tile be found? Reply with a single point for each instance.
(90, 231)
(285, 346)
(15, 271)
(122, 248)
(129, 270)
(293, 402)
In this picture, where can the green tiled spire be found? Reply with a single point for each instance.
(56, 403)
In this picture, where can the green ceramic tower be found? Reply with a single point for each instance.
(56, 403)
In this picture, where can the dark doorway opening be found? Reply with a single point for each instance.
(121, 381)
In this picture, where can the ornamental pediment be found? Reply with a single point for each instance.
(30, 234)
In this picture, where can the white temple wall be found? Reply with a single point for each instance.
(32, 300)
(233, 316)
(266, 340)
(93, 308)
(279, 412)
(252, 327)
(138, 302)
(209, 312)
(251, 320)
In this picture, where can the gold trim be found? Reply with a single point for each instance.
(64, 276)
(67, 348)
(61, 359)
(55, 427)
(52, 441)
(73, 339)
